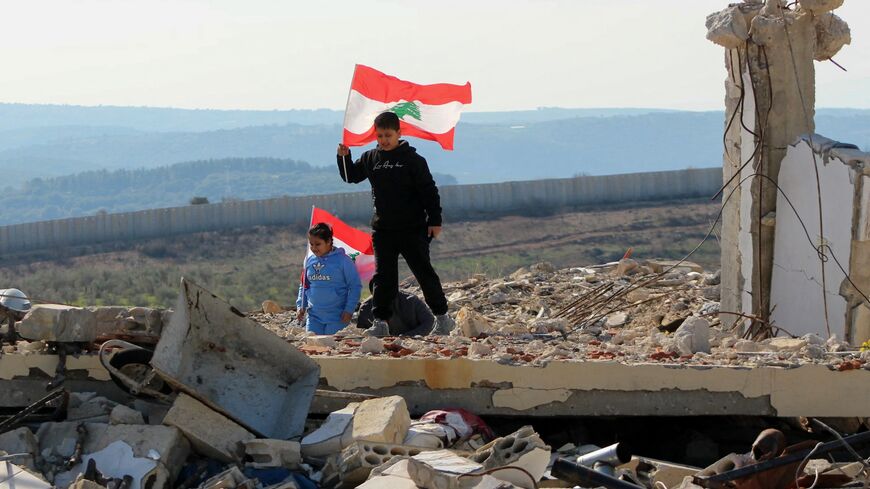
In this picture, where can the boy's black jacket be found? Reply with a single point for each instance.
(403, 191)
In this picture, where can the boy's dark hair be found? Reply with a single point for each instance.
(321, 230)
(387, 120)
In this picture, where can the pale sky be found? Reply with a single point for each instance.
(282, 54)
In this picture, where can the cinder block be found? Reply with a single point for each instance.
(211, 433)
(273, 453)
(384, 420)
(358, 459)
(21, 440)
(523, 448)
(55, 322)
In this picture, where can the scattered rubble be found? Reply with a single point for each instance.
(236, 415)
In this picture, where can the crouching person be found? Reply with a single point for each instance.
(411, 316)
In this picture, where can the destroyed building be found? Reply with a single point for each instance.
(208, 396)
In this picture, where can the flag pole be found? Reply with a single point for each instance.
(344, 124)
(302, 282)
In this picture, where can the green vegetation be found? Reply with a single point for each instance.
(247, 267)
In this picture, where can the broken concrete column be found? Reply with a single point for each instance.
(770, 101)
(384, 420)
(273, 453)
(54, 322)
(210, 433)
(523, 448)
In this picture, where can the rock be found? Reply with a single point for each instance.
(832, 33)
(273, 453)
(616, 319)
(57, 441)
(787, 344)
(694, 276)
(625, 266)
(693, 336)
(272, 307)
(714, 279)
(20, 441)
(520, 273)
(471, 323)
(747, 346)
(210, 433)
(333, 435)
(523, 448)
(479, 349)
(121, 414)
(709, 308)
(547, 325)
(371, 344)
(711, 293)
(385, 420)
(327, 341)
(727, 28)
(813, 339)
(54, 322)
(95, 409)
(834, 344)
(659, 266)
(498, 298)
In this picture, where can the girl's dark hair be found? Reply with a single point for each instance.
(387, 120)
(321, 230)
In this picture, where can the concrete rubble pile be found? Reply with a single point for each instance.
(630, 311)
(232, 407)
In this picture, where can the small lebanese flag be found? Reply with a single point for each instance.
(425, 111)
(357, 244)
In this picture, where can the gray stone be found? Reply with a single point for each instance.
(95, 409)
(124, 415)
(54, 322)
(693, 336)
(21, 441)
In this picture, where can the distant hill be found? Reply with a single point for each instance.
(50, 141)
(168, 186)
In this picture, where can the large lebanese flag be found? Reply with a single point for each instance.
(357, 244)
(425, 111)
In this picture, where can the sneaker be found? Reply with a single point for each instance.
(443, 325)
(379, 327)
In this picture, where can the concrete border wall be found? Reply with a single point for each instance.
(456, 200)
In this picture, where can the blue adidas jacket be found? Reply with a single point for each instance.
(331, 286)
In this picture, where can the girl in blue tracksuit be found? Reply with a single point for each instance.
(330, 287)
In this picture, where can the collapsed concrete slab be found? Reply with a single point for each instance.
(214, 353)
(210, 433)
(16, 477)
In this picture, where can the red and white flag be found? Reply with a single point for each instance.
(425, 111)
(357, 244)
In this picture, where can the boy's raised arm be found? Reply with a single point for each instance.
(355, 171)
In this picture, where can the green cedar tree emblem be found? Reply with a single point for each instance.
(406, 108)
(353, 256)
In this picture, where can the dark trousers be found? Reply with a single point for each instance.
(414, 247)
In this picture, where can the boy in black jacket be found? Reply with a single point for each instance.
(407, 216)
